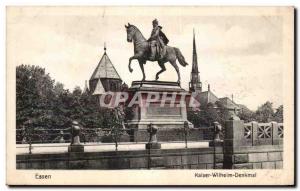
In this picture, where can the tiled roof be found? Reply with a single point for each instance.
(99, 88)
(105, 69)
(228, 103)
(206, 97)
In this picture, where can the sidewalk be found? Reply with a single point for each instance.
(102, 147)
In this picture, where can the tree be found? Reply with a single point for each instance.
(265, 113)
(33, 94)
(33, 97)
(278, 116)
(195, 118)
(246, 115)
(207, 115)
(58, 89)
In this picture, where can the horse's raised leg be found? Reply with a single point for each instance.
(142, 62)
(177, 70)
(163, 68)
(129, 65)
(130, 59)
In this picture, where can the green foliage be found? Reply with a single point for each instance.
(43, 104)
(33, 89)
(216, 112)
(278, 115)
(265, 112)
(207, 115)
(246, 115)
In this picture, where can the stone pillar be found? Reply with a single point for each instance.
(277, 133)
(252, 145)
(152, 144)
(75, 145)
(236, 137)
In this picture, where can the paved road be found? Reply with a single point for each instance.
(96, 147)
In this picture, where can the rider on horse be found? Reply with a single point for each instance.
(143, 48)
(158, 42)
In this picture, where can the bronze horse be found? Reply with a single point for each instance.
(142, 49)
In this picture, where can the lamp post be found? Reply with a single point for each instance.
(186, 131)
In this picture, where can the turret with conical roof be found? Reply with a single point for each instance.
(106, 74)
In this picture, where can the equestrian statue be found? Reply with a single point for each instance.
(153, 49)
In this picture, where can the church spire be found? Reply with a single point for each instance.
(195, 61)
(195, 84)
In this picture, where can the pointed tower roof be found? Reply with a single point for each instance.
(99, 88)
(105, 69)
(86, 89)
(195, 60)
(195, 83)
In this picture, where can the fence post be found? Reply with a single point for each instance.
(152, 143)
(30, 147)
(61, 137)
(186, 131)
(29, 136)
(116, 135)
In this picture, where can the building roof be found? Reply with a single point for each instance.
(228, 103)
(206, 97)
(99, 88)
(105, 69)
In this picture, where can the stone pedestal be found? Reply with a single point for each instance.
(217, 140)
(161, 112)
(75, 145)
(76, 148)
(153, 146)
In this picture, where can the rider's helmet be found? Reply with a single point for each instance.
(155, 22)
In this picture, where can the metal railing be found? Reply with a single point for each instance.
(41, 137)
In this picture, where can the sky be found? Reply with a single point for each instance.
(239, 52)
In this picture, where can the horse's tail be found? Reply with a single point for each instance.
(180, 57)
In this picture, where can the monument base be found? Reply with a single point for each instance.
(153, 146)
(75, 148)
(169, 110)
